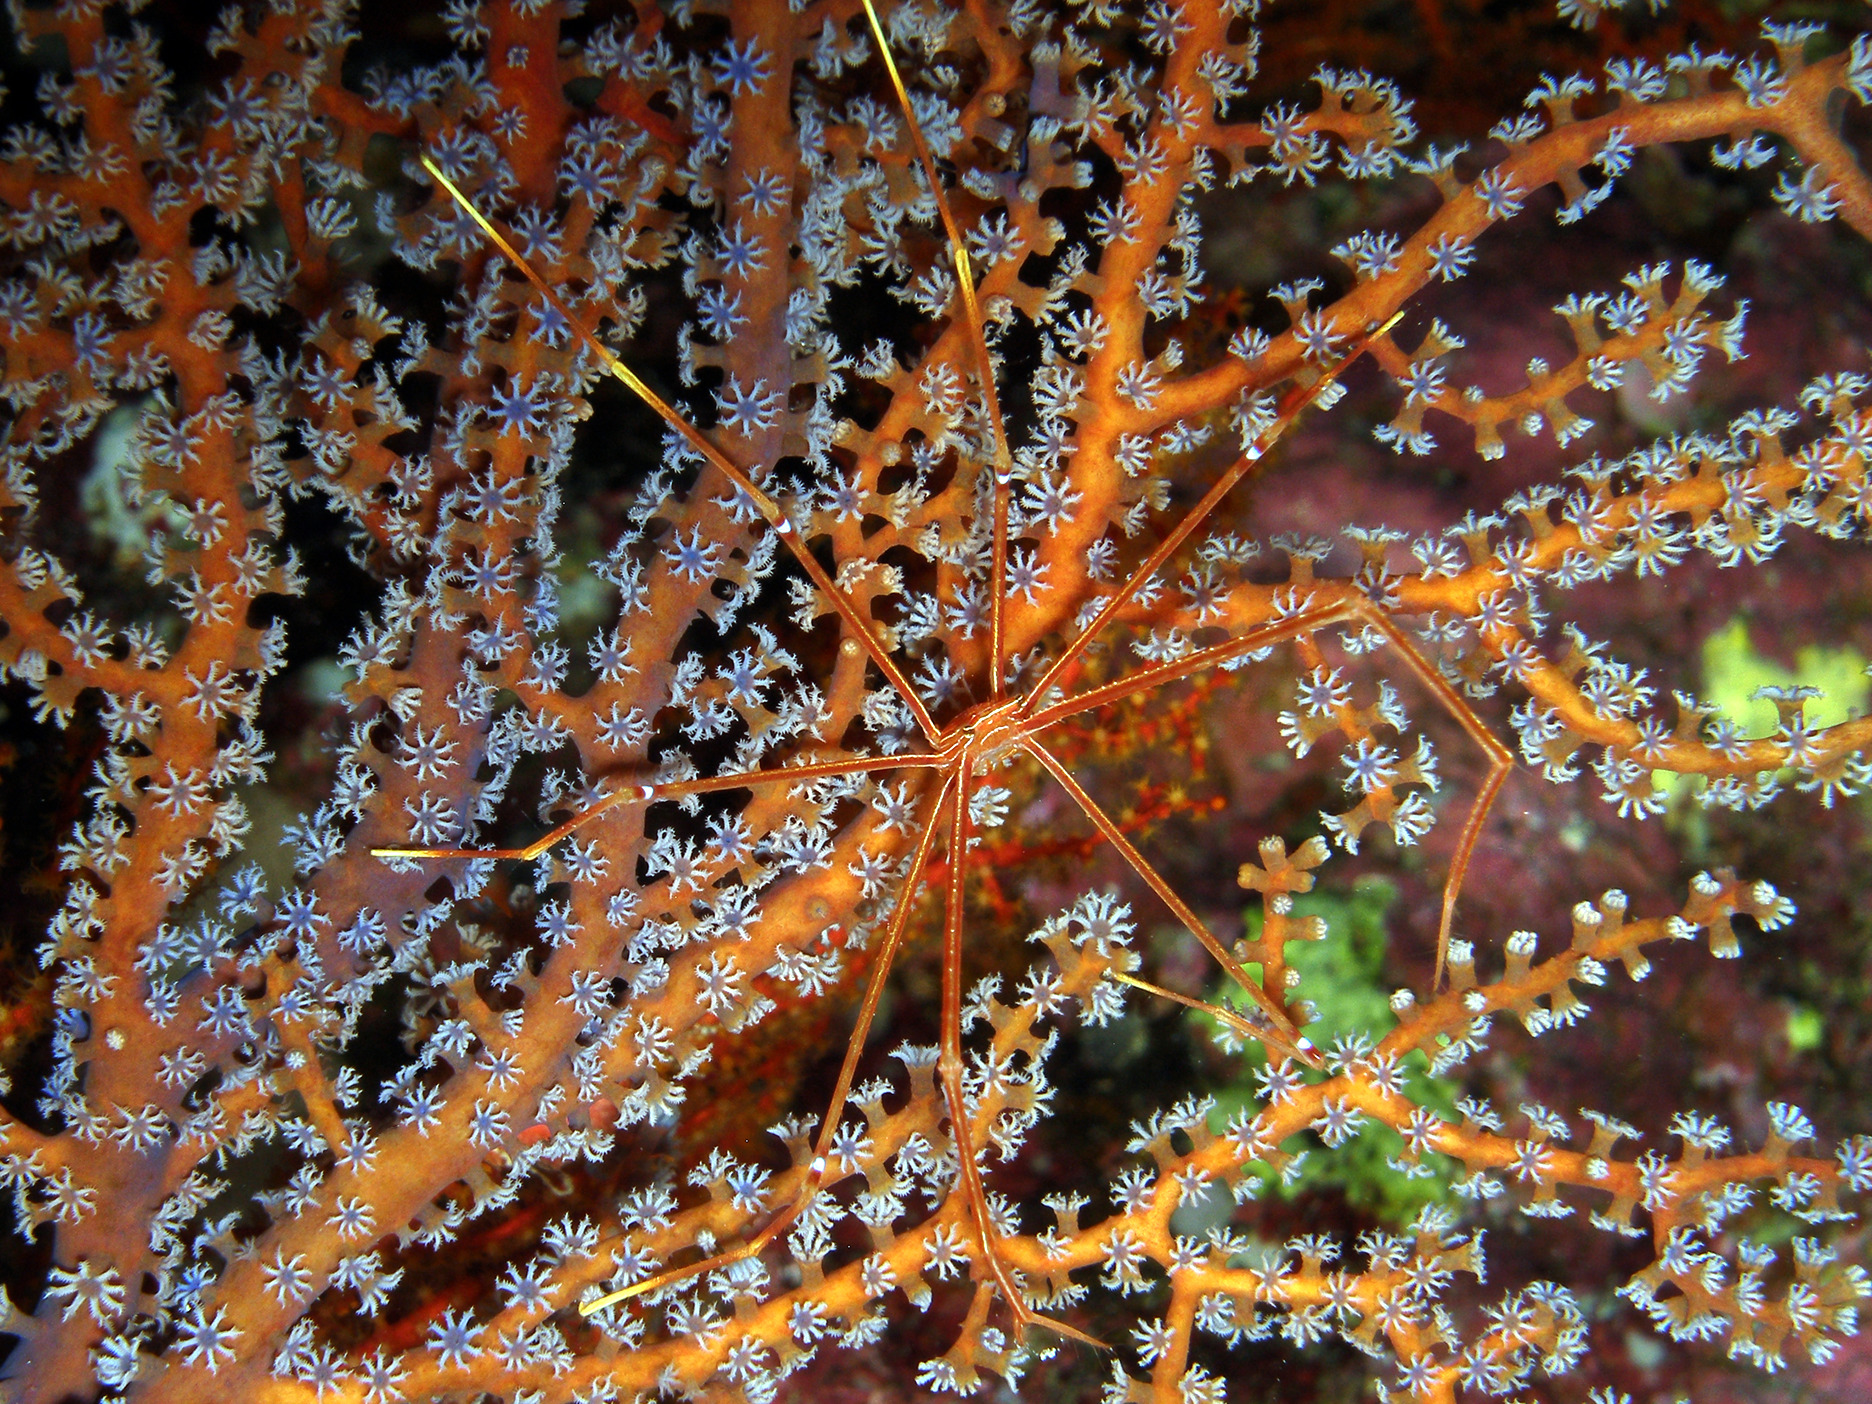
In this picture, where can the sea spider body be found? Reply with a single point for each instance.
(989, 733)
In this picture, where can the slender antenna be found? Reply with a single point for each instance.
(763, 503)
(965, 278)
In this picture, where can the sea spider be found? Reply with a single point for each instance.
(983, 737)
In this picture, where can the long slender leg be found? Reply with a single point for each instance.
(1500, 759)
(1246, 1028)
(1295, 401)
(763, 503)
(1355, 607)
(1261, 635)
(854, 1050)
(971, 307)
(1283, 1035)
(949, 1065)
(677, 789)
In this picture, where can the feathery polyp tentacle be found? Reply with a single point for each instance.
(764, 503)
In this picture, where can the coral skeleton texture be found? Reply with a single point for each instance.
(926, 549)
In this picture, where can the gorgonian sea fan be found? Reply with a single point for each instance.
(960, 512)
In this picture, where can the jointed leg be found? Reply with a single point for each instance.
(677, 789)
(1260, 636)
(1296, 400)
(1353, 607)
(949, 1068)
(1283, 1035)
(1500, 761)
(854, 1050)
